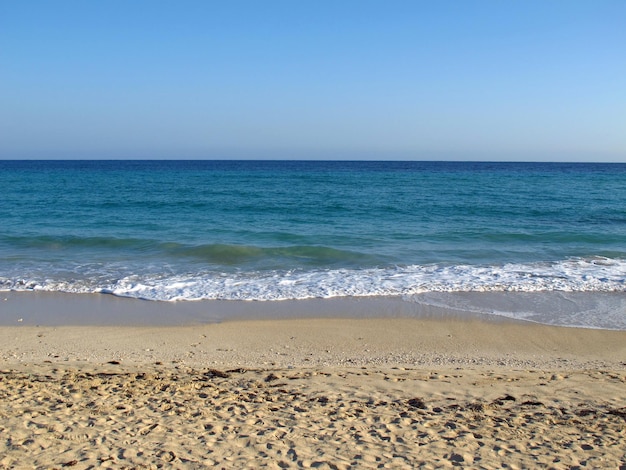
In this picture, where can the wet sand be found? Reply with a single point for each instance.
(313, 393)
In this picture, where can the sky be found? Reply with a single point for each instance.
(520, 80)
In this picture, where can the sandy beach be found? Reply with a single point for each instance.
(313, 393)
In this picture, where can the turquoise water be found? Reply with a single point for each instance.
(275, 230)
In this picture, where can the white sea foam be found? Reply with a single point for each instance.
(575, 275)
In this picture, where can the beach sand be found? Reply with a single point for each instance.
(313, 393)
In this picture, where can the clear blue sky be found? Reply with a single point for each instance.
(423, 80)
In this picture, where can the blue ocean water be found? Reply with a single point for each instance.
(275, 230)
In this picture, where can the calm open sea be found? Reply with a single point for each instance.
(274, 230)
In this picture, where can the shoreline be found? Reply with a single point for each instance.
(587, 310)
(42, 308)
(35, 326)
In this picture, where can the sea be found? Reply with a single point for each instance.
(544, 242)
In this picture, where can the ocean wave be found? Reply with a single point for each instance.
(222, 254)
(573, 275)
(227, 254)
